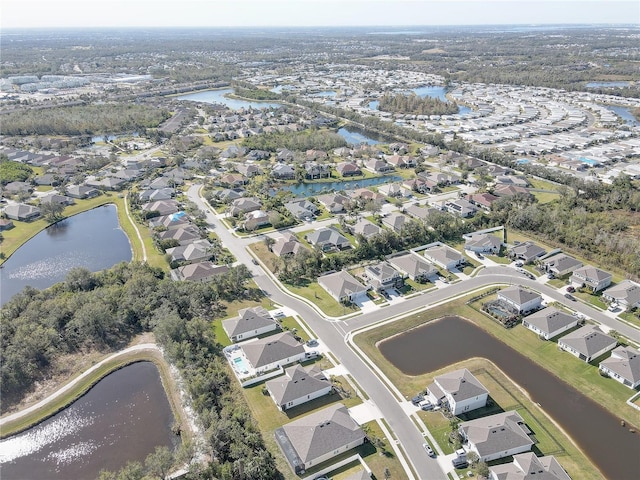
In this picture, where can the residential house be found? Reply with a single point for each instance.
(587, 343)
(497, 436)
(256, 219)
(365, 228)
(626, 294)
(482, 200)
(526, 466)
(549, 322)
(460, 207)
(161, 207)
(22, 212)
(413, 266)
(591, 277)
(13, 188)
(395, 221)
(623, 365)
(232, 180)
(6, 224)
(286, 246)
(274, 351)
(228, 195)
(107, 183)
(333, 202)
(376, 165)
(328, 238)
(298, 385)
(154, 195)
(459, 390)
(348, 169)
(442, 179)
(502, 190)
(520, 299)
(54, 198)
(527, 252)
(302, 209)
(517, 180)
(250, 322)
(364, 195)
(421, 213)
(561, 264)
(184, 235)
(248, 169)
(282, 171)
(444, 256)
(284, 155)
(198, 272)
(315, 170)
(81, 191)
(399, 148)
(244, 205)
(175, 220)
(318, 437)
(343, 286)
(420, 185)
(483, 243)
(382, 276)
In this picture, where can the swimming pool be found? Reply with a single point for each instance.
(240, 364)
(588, 161)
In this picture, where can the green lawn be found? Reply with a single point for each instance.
(314, 293)
(290, 323)
(631, 317)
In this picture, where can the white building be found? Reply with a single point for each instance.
(297, 386)
(549, 322)
(460, 390)
(623, 365)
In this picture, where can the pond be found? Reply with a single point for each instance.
(607, 84)
(312, 189)
(122, 418)
(92, 240)
(357, 136)
(219, 96)
(613, 449)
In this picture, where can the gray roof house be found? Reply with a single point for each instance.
(82, 191)
(413, 266)
(526, 466)
(483, 243)
(163, 207)
(283, 172)
(591, 277)
(519, 299)
(298, 385)
(460, 207)
(244, 205)
(587, 343)
(274, 351)
(395, 221)
(318, 437)
(416, 211)
(198, 272)
(444, 256)
(623, 365)
(342, 286)
(333, 202)
(287, 245)
(460, 390)
(191, 252)
(366, 228)
(497, 436)
(549, 322)
(381, 276)
(302, 208)
(249, 323)
(561, 264)
(328, 238)
(527, 251)
(626, 294)
(183, 235)
(22, 212)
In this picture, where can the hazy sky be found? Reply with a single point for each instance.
(98, 13)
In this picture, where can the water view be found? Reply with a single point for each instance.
(625, 114)
(356, 136)
(311, 189)
(606, 84)
(92, 240)
(121, 419)
(218, 96)
(452, 339)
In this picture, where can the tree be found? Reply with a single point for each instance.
(472, 458)
(52, 211)
(159, 462)
(483, 470)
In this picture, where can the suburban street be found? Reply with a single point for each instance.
(335, 332)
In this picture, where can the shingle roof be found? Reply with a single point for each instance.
(271, 349)
(341, 284)
(296, 383)
(443, 254)
(497, 433)
(625, 362)
(588, 340)
(518, 295)
(461, 384)
(248, 319)
(526, 466)
(413, 265)
(590, 273)
(626, 291)
(322, 432)
(550, 319)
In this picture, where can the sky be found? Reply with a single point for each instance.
(232, 13)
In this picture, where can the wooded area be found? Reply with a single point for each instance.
(416, 105)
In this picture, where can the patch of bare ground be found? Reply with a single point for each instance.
(434, 51)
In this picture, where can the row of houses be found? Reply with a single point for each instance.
(495, 436)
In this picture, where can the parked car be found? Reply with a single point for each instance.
(479, 255)
(459, 463)
(417, 399)
(568, 296)
(550, 276)
(429, 450)
(613, 307)
(254, 261)
(312, 343)
(571, 289)
(519, 264)
(426, 405)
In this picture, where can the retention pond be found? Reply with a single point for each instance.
(612, 448)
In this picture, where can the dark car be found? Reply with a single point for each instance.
(417, 399)
(570, 289)
(568, 296)
(479, 255)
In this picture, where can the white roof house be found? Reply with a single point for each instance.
(520, 299)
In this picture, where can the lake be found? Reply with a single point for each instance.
(121, 419)
(218, 96)
(312, 189)
(625, 114)
(606, 84)
(92, 240)
(612, 448)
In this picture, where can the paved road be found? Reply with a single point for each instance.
(333, 332)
